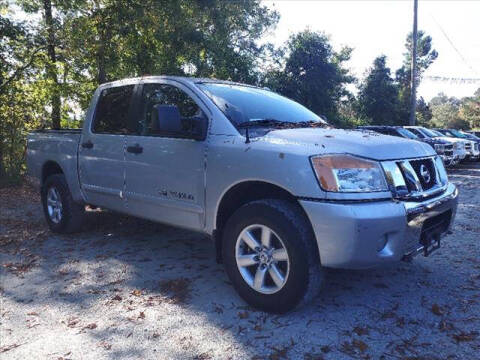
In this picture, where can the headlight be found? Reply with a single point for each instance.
(346, 173)
(439, 148)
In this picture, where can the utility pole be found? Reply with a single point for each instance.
(413, 83)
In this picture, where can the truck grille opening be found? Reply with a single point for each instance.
(426, 172)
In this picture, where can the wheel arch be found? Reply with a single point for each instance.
(49, 168)
(242, 193)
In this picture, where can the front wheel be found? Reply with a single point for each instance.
(271, 256)
(62, 213)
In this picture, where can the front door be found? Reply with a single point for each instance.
(102, 148)
(165, 178)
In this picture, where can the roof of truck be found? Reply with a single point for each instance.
(184, 79)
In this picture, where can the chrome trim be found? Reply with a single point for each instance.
(395, 179)
(401, 176)
(410, 176)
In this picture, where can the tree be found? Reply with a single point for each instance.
(445, 111)
(426, 55)
(74, 45)
(47, 31)
(313, 73)
(19, 52)
(378, 95)
(423, 113)
(469, 110)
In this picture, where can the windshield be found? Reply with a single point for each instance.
(428, 132)
(457, 133)
(437, 132)
(242, 104)
(407, 133)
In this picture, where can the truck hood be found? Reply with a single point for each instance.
(363, 143)
(453, 140)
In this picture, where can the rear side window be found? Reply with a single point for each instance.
(112, 111)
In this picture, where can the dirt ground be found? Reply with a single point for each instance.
(126, 288)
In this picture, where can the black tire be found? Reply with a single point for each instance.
(287, 220)
(72, 213)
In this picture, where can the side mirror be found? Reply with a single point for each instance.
(167, 120)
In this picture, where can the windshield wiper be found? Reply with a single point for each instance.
(262, 122)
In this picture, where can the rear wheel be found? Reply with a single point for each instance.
(62, 213)
(270, 255)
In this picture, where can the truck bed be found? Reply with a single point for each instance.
(61, 131)
(54, 146)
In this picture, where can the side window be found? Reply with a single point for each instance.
(161, 94)
(111, 116)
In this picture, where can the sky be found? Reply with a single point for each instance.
(380, 27)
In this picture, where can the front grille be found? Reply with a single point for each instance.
(426, 173)
(448, 150)
(416, 178)
(468, 146)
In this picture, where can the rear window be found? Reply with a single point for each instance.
(112, 111)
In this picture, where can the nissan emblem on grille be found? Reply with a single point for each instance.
(425, 173)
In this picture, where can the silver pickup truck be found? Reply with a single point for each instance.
(282, 194)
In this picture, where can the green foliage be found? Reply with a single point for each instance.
(313, 74)
(450, 112)
(424, 113)
(50, 68)
(426, 55)
(378, 97)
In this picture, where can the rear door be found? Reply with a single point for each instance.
(165, 174)
(102, 148)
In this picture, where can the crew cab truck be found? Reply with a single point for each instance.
(459, 146)
(282, 194)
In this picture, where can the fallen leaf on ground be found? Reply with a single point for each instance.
(243, 314)
(437, 310)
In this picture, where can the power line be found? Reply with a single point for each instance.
(453, 46)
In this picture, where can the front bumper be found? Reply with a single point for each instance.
(449, 160)
(367, 234)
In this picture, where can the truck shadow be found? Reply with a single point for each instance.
(131, 276)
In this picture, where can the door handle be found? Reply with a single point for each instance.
(136, 149)
(87, 145)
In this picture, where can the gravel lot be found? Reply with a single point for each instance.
(127, 288)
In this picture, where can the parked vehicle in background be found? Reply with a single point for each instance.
(459, 151)
(282, 194)
(444, 148)
(471, 146)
